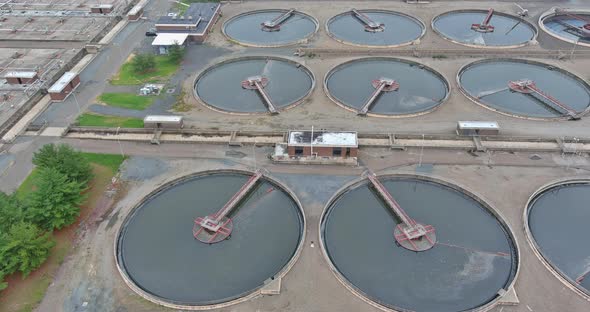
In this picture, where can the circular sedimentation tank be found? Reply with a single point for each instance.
(508, 31)
(391, 29)
(419, 89)
(161, 260)
(557, 226)
(572, 26)
(222, 86)
(248, 28)
(474, 259)
(491, 83)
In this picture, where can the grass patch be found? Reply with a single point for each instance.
(126, 100)
(111, 161)
(165, 67)
(28, 185)
(95, 120)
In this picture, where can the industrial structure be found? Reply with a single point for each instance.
(408, 233)
(218, 227)
(485, 26)
(370, 25)
(582, 31)
(380, 85)
(322, 143)
(64, 86)
(527, 86)
(258, 83)
(275, 24)
(228, 231)
(193, 26)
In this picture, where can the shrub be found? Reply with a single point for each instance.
(64, 159)
(56, 201)
(24, 247)
(143, 63)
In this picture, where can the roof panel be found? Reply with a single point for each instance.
(323, 138)
(62, 82)
(168, 39)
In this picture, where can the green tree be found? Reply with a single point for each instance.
(23, 248)
(56, 201)
(65, 159)
(143, 63)
(11, 211)
(175, 53)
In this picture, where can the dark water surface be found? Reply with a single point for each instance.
(399, 28)
(420, 89)
(558, 220)
(162, 257)
(457, 26)
(484, 79)
(221, 86)
(472, 261)
(246, 28)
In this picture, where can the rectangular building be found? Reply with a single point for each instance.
(136, 11)
(21, 77)
(343, 144)
(475, 128)
(196, 22)
(163, 122)
(101, 8)
(64, 86)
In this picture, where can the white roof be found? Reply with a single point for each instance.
(162, 118)
(323, 138)
(20, 74)
(62, 82)
(102, 6)
(478, 125)
(169, 39)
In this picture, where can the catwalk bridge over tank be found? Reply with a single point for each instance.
(409, 233)
(218, 227)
